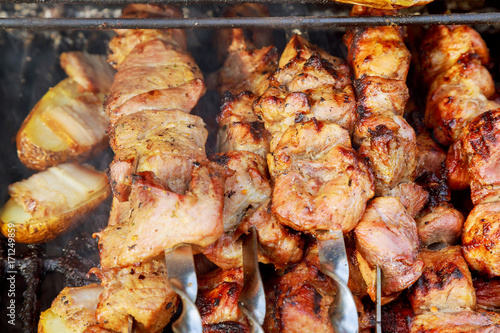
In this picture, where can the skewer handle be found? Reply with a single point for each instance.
(333, 260)
(182, 277)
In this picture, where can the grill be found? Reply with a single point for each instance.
(29, 66)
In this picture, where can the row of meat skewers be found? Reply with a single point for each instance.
(286, 166)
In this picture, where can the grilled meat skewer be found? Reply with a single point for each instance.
(166, 191)
(387, 235)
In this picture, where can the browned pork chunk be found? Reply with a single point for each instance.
(167, 143)
(487, 293)
(412, 196)
(309, 84)
(453, 62)
(445, 45)
(445, 284)
(300, 299)
(141, 291)
(387, 237)
(431, 157)
(456, 96)
(160, 219)
(475, 158)
(278, 244)
(120, 46)
(480, 242)
(319, 181)
(458, 322)
(174, 81)
(441, 225)
(246, 187)
(246, 68)
(239, 128)
(217, 301)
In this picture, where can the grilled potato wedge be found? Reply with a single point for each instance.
(68, 123)
(65, 124)
(52, 202)
(72, 311)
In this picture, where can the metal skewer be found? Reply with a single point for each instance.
(333, 260)
(130, 328)
(252, 301)
(378, 309)
(182, 277)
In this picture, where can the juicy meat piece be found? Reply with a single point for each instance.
(387, 237)
(120, 174)
(141, 291)
(475, 158)
(480, 238)
(161, 219)
(397, 316)
(300, 299)
(245, 188)
(389, 145)
(239, 127)
(431, 157)
(309, 84)
(112, 237)
(445, 284)
(90, 71)
(277, 244)
(167, 143)
(127, 39)
(155, 76)
(412, 196)
(217, 299)
(441, 225)
(487, 293)
(444, 46)
(256, 38)
(356, 283)
(73, 308)
(458, 322)
(456, 96)
(246, 68)
(319, 181)
(377, 51)
(381, 96)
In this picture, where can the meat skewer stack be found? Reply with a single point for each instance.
(321, 186)
(243, 143)
(460, 114)
(166, 191)
(387, 235)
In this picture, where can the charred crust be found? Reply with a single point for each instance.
(437, 187)
(221, 159)
(226, 327)
(257, 130)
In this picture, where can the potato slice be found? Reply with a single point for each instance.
(72, 311)
(65, 124)
(52, 202)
